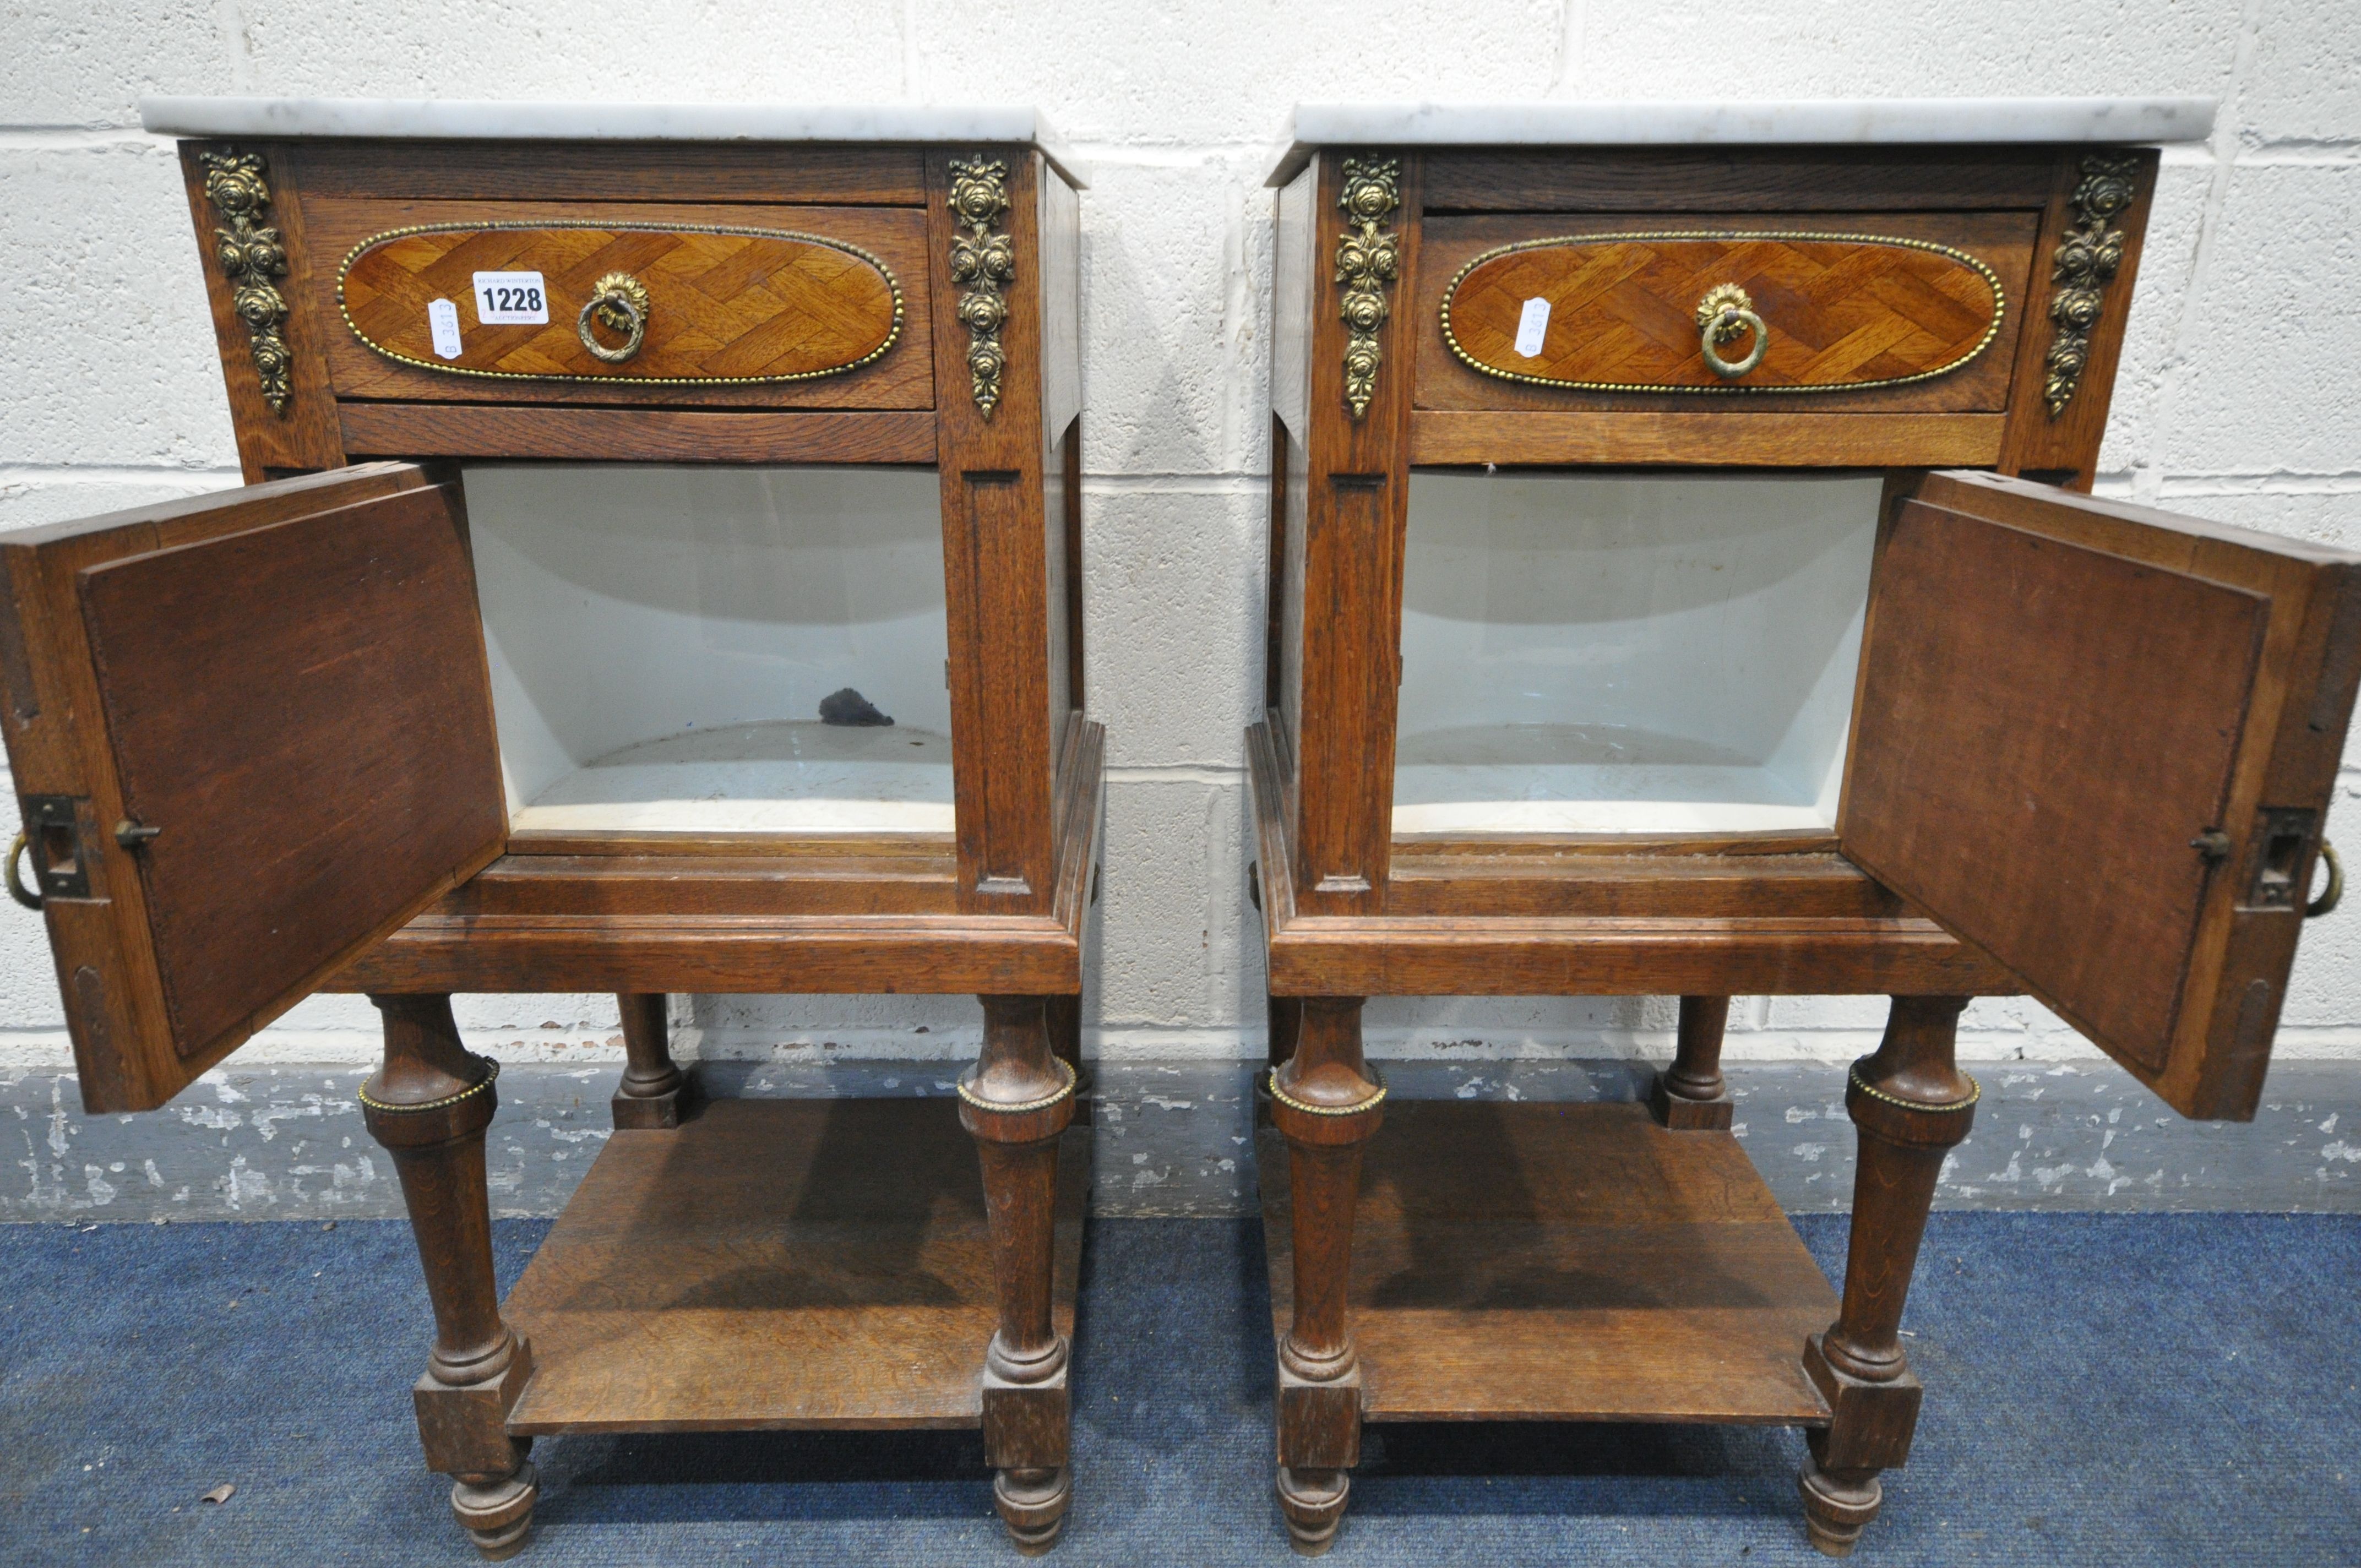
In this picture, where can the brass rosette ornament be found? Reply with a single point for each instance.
(2083, 265)
(1367, 261)
(253, 258)
(983, 264)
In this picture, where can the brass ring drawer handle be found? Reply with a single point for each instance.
(2334, 893)
(617, 300)
(1723, 314)
(17, 888)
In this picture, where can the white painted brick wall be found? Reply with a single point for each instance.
(2235, 400)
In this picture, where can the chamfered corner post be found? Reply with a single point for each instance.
(654, 1092)
(1691, 1095)
(1016, 1101)
(1911, 1105)
(428, 1105)
(1326, 1105)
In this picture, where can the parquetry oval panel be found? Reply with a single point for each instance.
(1846, 311)
(725, 304)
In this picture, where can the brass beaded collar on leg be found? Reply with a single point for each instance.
(1310, 1110)
(1041, 1104)
(1975, 1092)
(491, 1071)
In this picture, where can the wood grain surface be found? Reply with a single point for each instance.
(1840, 313)
(1834, 309)
(2043, 729)
(711, 300)
(2061, 699)
(303, 711)
(127, 1056)
(748, 304)
(777, 1264)
(638, 435)
(1768, 930)
(1564, 1262)
(1754, 437)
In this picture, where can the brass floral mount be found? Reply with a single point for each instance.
(253, 259)
(2085, 263)
(983, 264)
(1368, 260)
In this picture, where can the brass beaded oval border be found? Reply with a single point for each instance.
(1310, 1110)
(492, 1072)
(1041, 1104)
(2000, 310)
(1975, 1092)
(893, 284)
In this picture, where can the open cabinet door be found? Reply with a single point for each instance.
(2098, 741)
(251, 733)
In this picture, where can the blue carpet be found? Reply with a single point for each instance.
(2102, 1389)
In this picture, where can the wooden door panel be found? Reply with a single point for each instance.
(2098, 742)
(289, 686)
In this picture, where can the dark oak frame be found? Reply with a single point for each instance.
(995, 909)
(1350, 909)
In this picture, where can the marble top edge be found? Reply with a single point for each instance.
(524, 120)
(1737, 123)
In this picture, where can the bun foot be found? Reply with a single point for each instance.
(497, 1513)
(1838, 1506)
(1314, 1502)
(1032, 1505)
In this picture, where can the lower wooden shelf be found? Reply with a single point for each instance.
(776, 1264)
(1566, 1262)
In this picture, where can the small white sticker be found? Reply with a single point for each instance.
(1532, 327)
(443, 320)
(512, 298)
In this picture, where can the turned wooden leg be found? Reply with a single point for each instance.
(429, 1105)
(1064, 1015)
(1691, 1095)
(1017, 1100)
(1325, 1104)
(1911, 1104)
(653, 1088)
(1286, 1024)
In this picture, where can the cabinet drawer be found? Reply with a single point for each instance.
(624, 302)
(1804, 311)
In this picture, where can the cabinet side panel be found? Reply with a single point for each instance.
(250, 216)
(1291, 287)
(1060, 531)
(1356, 504)
(1062, 294)
(1286, 698)
(2060, 350)
(991, 448)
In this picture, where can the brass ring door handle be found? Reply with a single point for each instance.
(2334, 893)
(1723, 314)
(617, 300)
(16, 889)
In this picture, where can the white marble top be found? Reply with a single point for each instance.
(1728, 123)
(483, 119)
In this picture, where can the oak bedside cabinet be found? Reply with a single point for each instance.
(1679, 585)
(658, 571)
